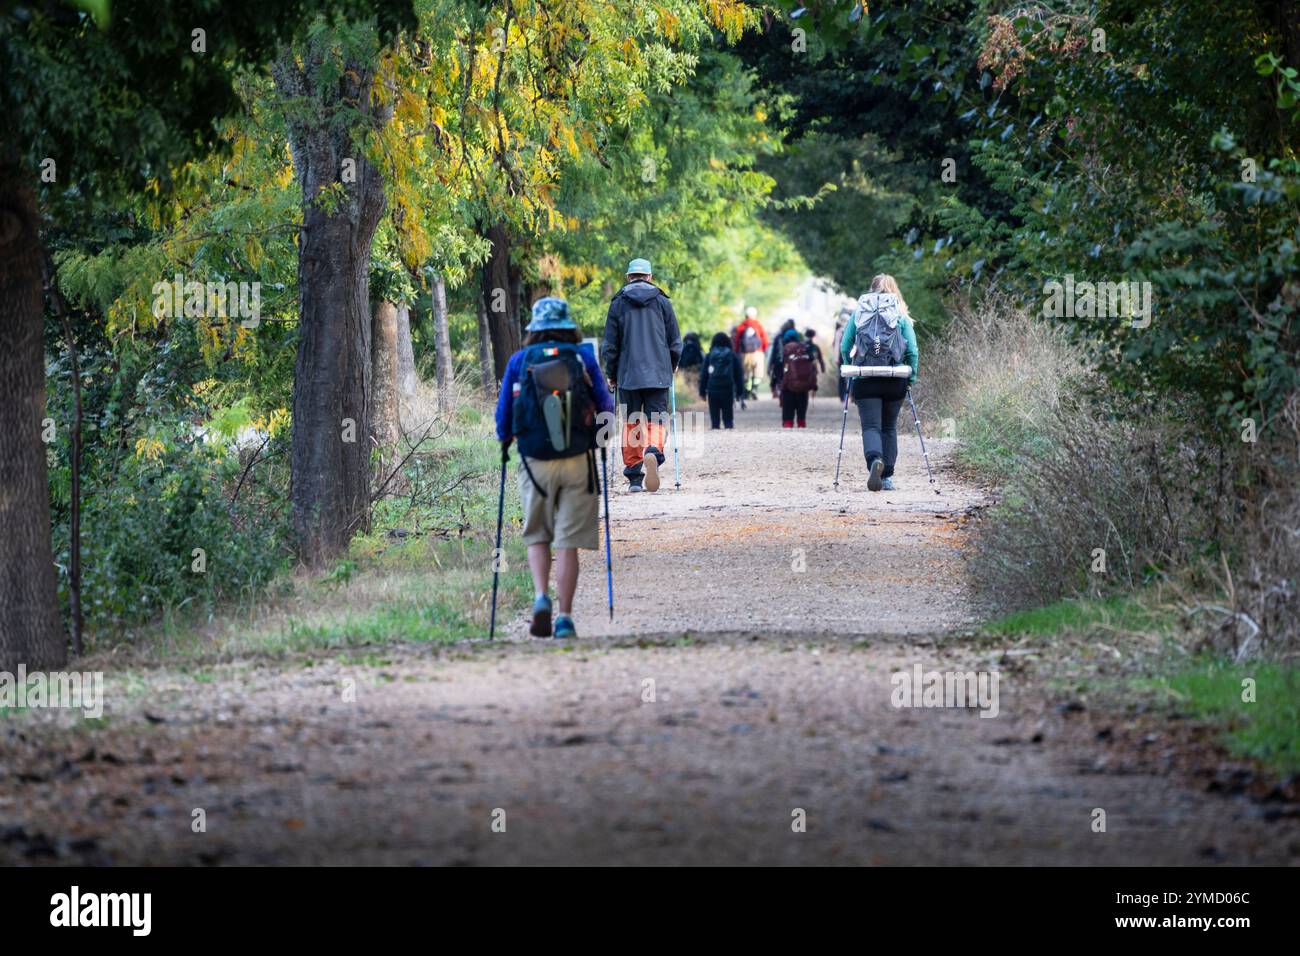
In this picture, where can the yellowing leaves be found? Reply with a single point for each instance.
(149, 449)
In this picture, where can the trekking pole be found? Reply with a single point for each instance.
(496, 555)
(609, 551)
(677, 458)
(916, 418)
(843, 424)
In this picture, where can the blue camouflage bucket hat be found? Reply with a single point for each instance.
(550, 313)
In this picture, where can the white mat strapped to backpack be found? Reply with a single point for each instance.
(875, 371)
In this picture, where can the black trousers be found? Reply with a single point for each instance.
(721, 410)
(794, 405)
(879, 401)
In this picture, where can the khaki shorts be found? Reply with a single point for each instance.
(569, 515)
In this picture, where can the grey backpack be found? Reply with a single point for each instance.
(878, 339)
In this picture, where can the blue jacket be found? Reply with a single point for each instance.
(506, 400)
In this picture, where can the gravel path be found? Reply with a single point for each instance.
(765, 736)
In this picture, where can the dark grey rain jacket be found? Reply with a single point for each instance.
(642, 342)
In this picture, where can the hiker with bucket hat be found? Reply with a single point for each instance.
(641, 350)
(551, 395)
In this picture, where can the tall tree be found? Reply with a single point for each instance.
(331, 108)
(94, 107)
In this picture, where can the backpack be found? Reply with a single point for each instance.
(692, 354)
(722, 369)
(800, 374)
(749, 341)
(554, 414)
(878, 339)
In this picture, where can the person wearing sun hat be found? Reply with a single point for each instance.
(556, 444)
(641, 350)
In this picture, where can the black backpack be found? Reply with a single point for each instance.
(692, 354)
(554, 414)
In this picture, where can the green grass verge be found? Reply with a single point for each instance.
(1266, 728)
(1125, 612)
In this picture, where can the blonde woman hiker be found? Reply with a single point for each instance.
(880, 332)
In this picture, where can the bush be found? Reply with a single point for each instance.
(140, 527)
(992, 378)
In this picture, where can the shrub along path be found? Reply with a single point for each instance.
(738, 710)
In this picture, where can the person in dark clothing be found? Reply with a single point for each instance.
(816, 351)
(774, 356)
(692, 357)
(641, 351)
(722, 378)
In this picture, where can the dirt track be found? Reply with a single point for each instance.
(778, 703)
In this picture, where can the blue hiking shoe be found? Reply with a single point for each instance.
(541, 617)
(874, 480)
(564, 628)
(886, 484)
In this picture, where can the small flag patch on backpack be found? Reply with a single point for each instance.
(550, 351)
(518, 387)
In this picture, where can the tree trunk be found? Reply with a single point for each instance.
(30, 630)
(406, 377)
(385, 423)
(501, 299)
(331, 422)
(486, 370)
(442, 343)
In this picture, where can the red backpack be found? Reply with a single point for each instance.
(800, 373)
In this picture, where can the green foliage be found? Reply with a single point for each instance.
(1267, 729)
(1082, 616)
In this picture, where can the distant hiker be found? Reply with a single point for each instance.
(550, 396)
(880, 333)
(816, 350)
(721, 381)
(750, 342)
(692, 357)
(841, 321)
(641, 351)
(774, 355)
(796, 372)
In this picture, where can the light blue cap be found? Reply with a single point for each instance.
(638, 266)
(551, 313)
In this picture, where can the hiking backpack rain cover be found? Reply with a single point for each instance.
(877, 338)
(554, 414)
(800, 373)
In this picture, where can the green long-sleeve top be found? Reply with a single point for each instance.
(910, 355)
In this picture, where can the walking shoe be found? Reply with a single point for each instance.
(634, 484)
(541, 617)
(874, 482)
(652, 469)
(564, 629)
(887, 484)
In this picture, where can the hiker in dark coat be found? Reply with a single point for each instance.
(774, 357)
(722, 379)
(692, 357)
(640, 353)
